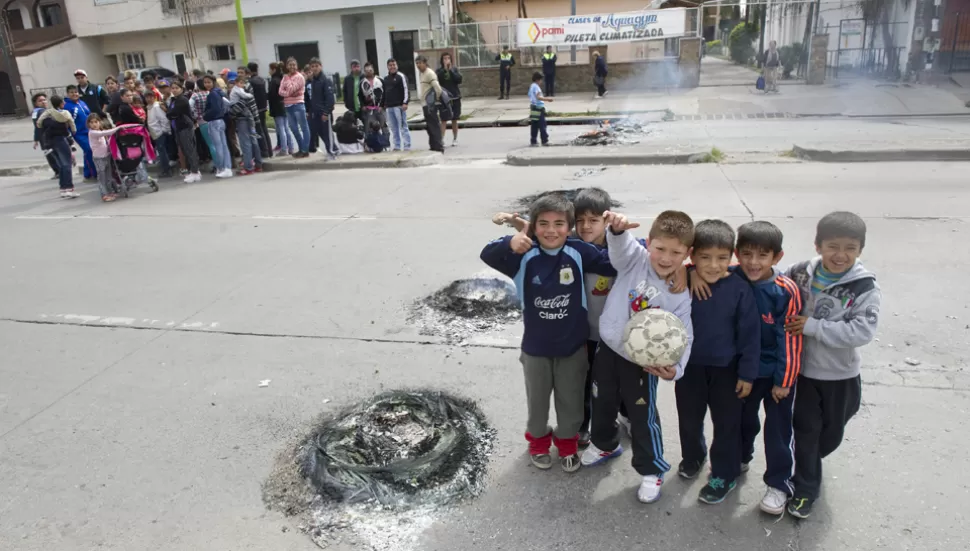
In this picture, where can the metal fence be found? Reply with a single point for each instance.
(860, 48)
(954, 54)
(478, 44)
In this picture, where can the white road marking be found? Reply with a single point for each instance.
(119, 321)
(309, 217)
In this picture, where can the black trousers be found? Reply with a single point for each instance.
(433, 124)
(591, 347)
(504, 82)
(821, 412)
(704, 387)
(615, 381)
(52, 161)
(265, 145)
(778, 437)
(537, 126)
(550, 80)
(320, 127)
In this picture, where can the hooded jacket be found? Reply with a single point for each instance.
(95, 97)
(181, 113)
(600, 67)
(351, 88)
(80, 111)
(841, 318)
(449, 80)
(258, 84)
(215, 105)
(276, 107)
(371, 93)
(322, 97)
(396, 91)
(242, 104)
(56, 123)
(781, 352)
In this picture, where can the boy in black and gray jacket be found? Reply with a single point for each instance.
(840, 315)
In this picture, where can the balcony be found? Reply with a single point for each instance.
(28, 41)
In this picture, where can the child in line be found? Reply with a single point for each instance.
(98, 131)
(537, 111)
(549, 277)
(375, 140)
(759, 250)
(841, 314)
(159, 129)
(722, 366)
(641, 283)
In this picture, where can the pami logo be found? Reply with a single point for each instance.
(536, 32)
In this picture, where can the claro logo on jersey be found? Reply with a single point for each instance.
(552, 308)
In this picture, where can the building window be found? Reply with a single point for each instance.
(106, 2)
(504, 32)
(50, 15)
(222, 52)
(133, 60)
(169, 5)
(15, 20)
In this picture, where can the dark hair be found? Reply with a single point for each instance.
(110, 78)
(92, 118)
(355, 62)
(391, 60)
(675, 224)
(57, 101)
(33, 98)
(375, 126)
(841, 224)
(368, 64)
(190, 85)
(349, 116)
(69, 88)
(197, 73)
(713, 234)
(293, 59)
(760, 235)
(441, 58)
(253, 66)
(148, 74)
(536, 76)
(209, 77)
(552, 202)
(149, 94)
(593, 200)
(315, 61)
(421, 59)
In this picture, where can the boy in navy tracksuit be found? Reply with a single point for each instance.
(759, 250)
(723, 364)
(549, 277)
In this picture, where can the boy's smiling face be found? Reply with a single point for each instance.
(551, 229)
(667, 254)
(591, 228)
(839, 253)
(756, 263)
(711, 264)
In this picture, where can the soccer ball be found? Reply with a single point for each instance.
(654, 337)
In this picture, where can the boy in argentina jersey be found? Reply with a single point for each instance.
(640, 284)
(549, 274)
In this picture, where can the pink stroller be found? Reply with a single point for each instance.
(130, 147)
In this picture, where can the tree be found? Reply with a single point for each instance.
(877, 12)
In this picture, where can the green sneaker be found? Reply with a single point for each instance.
(716, 490)
(800, 507)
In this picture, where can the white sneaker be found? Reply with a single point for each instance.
(454, 142)
(196, 176)
(649, 489)
(625, 423)
(774, 501)
(594, 456)
(226, 173)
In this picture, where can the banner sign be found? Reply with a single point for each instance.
(602, 29)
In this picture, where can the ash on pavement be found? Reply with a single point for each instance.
(466, 307)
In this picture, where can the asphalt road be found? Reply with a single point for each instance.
(134, 336)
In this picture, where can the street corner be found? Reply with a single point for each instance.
(876, 151)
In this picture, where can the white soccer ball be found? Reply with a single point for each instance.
(654, 337)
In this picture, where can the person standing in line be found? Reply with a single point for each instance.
(352, 88)
(181, 116)
(307, 101)
(322, 100)
(159, 129)
(549, 60)
(285, 142)
(243, 110)
(430, 93)
(79, 110)
(396, 98)
(505, 63)
(58, 126)
(450, 78)
(40, 139)
(214, 115)
(94, 96)
(258, 84)
(372, 98)
(599, 75)
(293, 88)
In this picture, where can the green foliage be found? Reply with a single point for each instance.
(790, 56)
(741, 42)
(714, 44)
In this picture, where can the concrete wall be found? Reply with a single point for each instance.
(500, 10)
(55, 66)
(174, 40)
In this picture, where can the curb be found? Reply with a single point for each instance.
(424, 158)
(521, 158)
(880, 155)
(22, 170)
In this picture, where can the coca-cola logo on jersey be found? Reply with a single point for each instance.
(559, 303)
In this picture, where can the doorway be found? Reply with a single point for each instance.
(371, 46)
(180, 67)
(300, 51)
(8, 104)
(165, 58)
(402, 50)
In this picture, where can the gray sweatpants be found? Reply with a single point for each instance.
(565, 380)
(105, 175)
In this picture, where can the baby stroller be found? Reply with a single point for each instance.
(130, 147)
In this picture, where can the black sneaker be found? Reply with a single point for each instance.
(716, 490)
(690, 469)
(800, 507)
(583, 440)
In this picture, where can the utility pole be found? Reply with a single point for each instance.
(572, 49)
(241, 27)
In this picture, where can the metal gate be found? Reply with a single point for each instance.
(955, 49)
(861, 50)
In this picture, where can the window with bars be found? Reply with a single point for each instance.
(133, 60)
(222, 52)
(169, 6)
(50, 15)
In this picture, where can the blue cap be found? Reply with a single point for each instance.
(231, 76)
(163, 83)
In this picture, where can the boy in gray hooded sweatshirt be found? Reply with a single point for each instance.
(841, 299)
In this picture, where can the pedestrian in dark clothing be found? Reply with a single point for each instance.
(58, 127)
(431, 93)
(450, 78)
(93, 95)
(307, 101)
(40, 139)
(599, 75)
(352, 89)
(322, 101)
(549, 70)
(505, 63)
(262, 105)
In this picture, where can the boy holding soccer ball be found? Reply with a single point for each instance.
(842, 302)
(641, 283)
(548, 272)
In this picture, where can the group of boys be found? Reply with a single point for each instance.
(757, 338)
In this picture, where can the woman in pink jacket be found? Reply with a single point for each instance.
(292, 89)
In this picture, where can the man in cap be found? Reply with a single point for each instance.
(94, 96)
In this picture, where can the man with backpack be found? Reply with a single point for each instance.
(94, 96)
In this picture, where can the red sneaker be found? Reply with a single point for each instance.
(258, 169)
(245, 172)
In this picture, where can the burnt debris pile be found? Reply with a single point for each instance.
(626, 131)
(466, 307)
(400, 449)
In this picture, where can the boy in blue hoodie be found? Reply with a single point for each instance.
(841, 315)
(549, 274)
(722, 366)
(80, 111)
